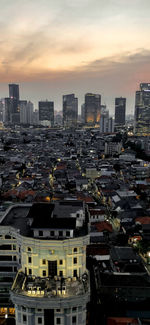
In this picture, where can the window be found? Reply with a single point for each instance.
(5, 247)
(68, 233)
(6, 269)
(40, 233)
(24, 318)
(7, 237)
(23, 308)
(58, 310)
(43, 261)
(75, 260)
(29, 259)
(74, 309)
(44, 272)
(60, 262)
(5, 258)
(60, 233)
(39, 309)
(14, 247)
(15, 269)
(30, 271)
(75, 273)
(15, 258)
(29, 249)
(39, 320)
(75, 250)
(61, 273)
(74, 319)
(52, 233)
(58, 320)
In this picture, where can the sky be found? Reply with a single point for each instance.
(56, 47)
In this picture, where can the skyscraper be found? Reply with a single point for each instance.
(7, 109)
(14, 91)
(92, 108)
(70, 110)
(14, 96)
(106, 122)
(120, 110)
(142, 110)
(26, 112)
(46, 113)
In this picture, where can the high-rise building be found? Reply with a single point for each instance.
(106, 122)
(92, 108)
(36, 117)
(26, 112)
(46, 113)
(14, 96)
(45, 245)
(120, 111)
(70, 110)
(142, 110)
(7, 109)
(14, 91)
(83, 113)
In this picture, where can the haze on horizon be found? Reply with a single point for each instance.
(55, 48)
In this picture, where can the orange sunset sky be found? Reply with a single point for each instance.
(57, 47)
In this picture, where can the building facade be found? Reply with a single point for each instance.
(70, 110)
(120, 111)
(14, 96)
(46, 113)
(49, 251)
(26, 112)
(142, 110)
(106, 122)
(7, 109)
(92, 108)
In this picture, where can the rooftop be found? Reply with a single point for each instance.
(50, 287)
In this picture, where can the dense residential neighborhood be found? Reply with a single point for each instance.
(103, 172)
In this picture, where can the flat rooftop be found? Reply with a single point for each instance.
(58, 215)
(50, 287)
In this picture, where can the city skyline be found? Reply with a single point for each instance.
(75, 47)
